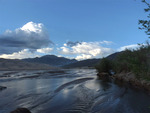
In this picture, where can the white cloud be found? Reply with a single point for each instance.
(45, 50)
(83, 57)
(65, 50)
(131, 47)
(33, 27)
(20, 55)
(86, 50)
(106, 42)
(31, 36)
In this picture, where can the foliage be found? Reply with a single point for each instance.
(145, 24)
(136, 61)
(105, 65)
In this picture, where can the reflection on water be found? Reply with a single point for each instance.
(68, 91)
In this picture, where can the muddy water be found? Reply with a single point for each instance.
(68, 91)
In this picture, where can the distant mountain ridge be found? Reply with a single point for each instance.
(68, 63)
(51, 60)
(15, 64)
(90, 62)
(83, 63)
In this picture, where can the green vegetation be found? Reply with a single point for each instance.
(145, 24)
(105, 65)
(136, 61)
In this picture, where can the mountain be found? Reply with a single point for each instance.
(83, 63)
(90, 62)
(51, 60)
(14, 64)
(114, 55)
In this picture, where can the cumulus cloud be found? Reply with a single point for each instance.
(45, 50)
(31, 36)
(83, 57)
(26, 53)
(86, 50)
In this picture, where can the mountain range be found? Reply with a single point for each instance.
(48, 62)
(15, 64)
(90, 62)
(51, 60)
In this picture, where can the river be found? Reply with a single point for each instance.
(68, 91)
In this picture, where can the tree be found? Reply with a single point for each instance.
(105, 65)
(145, 24)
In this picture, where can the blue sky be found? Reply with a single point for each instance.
(90, 22)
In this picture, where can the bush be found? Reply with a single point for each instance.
(136, 61)
(105, 65)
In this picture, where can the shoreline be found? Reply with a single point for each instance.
(127, 78)
(132, 80)
(28, 69)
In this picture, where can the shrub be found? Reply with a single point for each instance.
(105, 65)
(136, 61)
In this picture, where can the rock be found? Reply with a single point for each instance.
(2, 87)
(132, 80)
(21, 110)
(104, 76)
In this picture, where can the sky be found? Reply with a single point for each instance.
(80, 29)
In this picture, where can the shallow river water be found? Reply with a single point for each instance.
(68, 91)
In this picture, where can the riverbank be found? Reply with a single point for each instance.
(129, 78)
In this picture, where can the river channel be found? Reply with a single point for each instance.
(68, 91)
